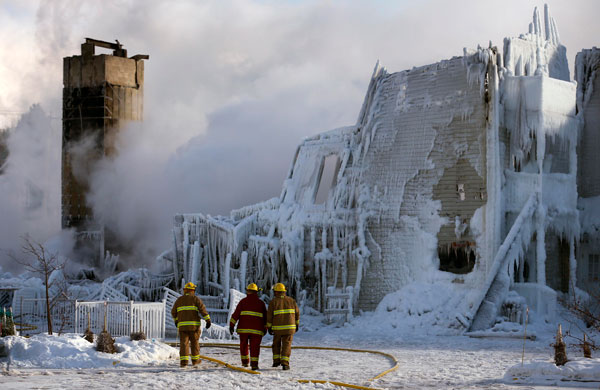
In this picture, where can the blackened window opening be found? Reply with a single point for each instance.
(456, 260)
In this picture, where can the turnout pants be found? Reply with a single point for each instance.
(282, 348)
(189, 339)
(254, 341)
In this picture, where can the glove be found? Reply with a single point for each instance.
(296, 328)
(270, 331)
(208, 324)
(231, 330)
(176, 322)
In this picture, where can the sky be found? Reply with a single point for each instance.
(231, 88)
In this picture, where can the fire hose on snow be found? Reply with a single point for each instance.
(336, 383)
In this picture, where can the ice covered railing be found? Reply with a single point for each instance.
(214, 305)
(339, 304)
(138, 285)
(500, 277)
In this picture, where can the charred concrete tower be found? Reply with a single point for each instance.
(100, 94)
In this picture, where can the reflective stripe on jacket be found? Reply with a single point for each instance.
(250, 315)
(186, 312)
(283, 315)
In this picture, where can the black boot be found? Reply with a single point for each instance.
(275, 364)
(285, 367)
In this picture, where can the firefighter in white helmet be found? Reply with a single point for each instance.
(283, 318)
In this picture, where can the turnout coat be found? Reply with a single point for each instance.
(187, 311)
(283, 315)
(250, 316)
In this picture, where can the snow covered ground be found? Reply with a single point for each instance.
(425, 361)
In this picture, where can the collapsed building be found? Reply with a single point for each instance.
(463, 173)
(101, 93)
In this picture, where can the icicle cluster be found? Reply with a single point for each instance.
(539, 52)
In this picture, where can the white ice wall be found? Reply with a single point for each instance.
(425, 119)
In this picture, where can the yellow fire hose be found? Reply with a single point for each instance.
(341, 384)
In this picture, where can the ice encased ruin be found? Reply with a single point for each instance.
(462, 172)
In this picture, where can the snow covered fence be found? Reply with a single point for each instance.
(30, 315)
(122, 318)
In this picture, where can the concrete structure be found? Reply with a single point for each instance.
(461, 173)
(101, 93)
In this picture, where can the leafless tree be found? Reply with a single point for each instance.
(588, 311)
(42, 262)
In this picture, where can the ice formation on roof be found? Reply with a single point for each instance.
(539, 52)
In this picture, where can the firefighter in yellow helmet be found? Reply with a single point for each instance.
(283, 318)
(250, 316)
(186, 313)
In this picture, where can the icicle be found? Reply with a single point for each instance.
(555, 31)
(547, 24)
(541, 244)
(572, 266)
(537, 23)
(205, 270)
(186, 242)
(226, 276)
(195, 263)
(323, 264)
(243, 265)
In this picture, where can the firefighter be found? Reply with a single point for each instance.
(186, 313)
(283, 318)
(251, 313)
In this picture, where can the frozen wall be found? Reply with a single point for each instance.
(426, 122)
(537, 131)
(461, 155)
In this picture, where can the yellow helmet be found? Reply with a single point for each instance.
(279, 287)
(189, 286)
(252, 287)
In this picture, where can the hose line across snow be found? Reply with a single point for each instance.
(342, 384)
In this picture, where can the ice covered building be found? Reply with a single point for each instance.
(461, 174)
(587, 69)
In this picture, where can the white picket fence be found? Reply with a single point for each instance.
(122, 318)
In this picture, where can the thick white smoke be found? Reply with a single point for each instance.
(30, 184)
